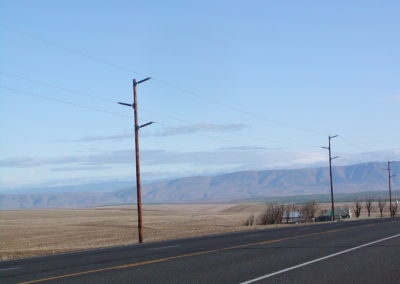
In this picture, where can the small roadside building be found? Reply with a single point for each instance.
(292, 217)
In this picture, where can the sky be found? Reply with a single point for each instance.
(235, 85)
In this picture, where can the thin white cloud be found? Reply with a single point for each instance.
(249, 148)
(247, 157)
(161, 164)
(165, 131)
(79, 168)
(114, 157)
(117, 137)
(201, 127)
(385, 155)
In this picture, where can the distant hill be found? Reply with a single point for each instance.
(245, 185)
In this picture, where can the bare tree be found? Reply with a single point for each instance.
(287, 213)
(368, 204)
(357, 207)
(272, 215)
(289, 210)
(381, 205)
(394, 209)
(308, 211)
(323, 212)
(249, 221)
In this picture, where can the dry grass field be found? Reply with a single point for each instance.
(26, 233)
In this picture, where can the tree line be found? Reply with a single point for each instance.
(276, 213)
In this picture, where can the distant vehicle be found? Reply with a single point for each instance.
(340, 213)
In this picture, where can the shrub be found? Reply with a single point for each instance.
(308, 211)
(249, 221)
(272, 215)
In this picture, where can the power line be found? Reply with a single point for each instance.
(71, 50)
(143, 109)
(63, 101)
(231, 132)
(111, 113)
(353, 144)
(146, 110)
(57, 87)
(207, 135)
(191, 93)
(233, 108)
(185, 91)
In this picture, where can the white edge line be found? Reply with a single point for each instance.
(317, 260)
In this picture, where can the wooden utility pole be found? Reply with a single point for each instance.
(330, 174)
(137, 157)
(390, 190)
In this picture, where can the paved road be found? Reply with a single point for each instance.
(348, 252)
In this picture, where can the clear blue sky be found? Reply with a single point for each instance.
(236, 85)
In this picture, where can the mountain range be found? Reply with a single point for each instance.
(244, 185)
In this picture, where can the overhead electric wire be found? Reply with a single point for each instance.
(173, 86)
(230, 132)
(70, 49)
(194, 94)
(57, 87)
(352, 144)
(63, 101)
(144, 109)
(183, 90)
(207, 135)
(113, 113)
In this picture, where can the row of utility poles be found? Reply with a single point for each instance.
(392, 213)
(137, 160)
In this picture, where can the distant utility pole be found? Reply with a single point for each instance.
(330, 174)
(137, 157)
(390, 189)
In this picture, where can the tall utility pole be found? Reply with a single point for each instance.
(330, 174)
(137, 157)
(390, 189)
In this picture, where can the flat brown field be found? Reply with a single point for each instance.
(26, 233)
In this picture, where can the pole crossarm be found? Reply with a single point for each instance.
(146, 124)
(124, 104)
(141, 81)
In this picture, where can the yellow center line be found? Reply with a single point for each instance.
(130, 265)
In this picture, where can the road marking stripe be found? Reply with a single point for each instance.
(252, 235)
(318, 259)
(10, 268)
(130, 265)
(166, 247)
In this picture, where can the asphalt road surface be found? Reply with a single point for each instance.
(365, 251)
